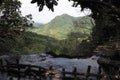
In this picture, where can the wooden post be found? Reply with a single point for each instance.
(99, 73)
(75, 73)
(17, 65)
(35, 77)
(17, 61)
(50, 75)
(1, 65)
(88, 72)
(39, 73)
(18, 72)
(11, 78)
(1, 62)
(50, 68)
(63, 73)
(29, 70)
(7, 67)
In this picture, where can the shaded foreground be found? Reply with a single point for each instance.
(22, 71)
(29, 67)
(45, 67)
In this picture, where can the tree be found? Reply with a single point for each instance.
(12, 23)
(11, 20)
(1, 1)
(49, 3)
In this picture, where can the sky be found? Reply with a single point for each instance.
(45, 16)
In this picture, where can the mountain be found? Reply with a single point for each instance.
(61, 26)
(61, 36)
(37, 24)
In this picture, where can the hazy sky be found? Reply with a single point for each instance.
(46, 15)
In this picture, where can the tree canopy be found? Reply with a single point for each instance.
(96, 6)
(49, 3)
(12, 23)
(11, 20)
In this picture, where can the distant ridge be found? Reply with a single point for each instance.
(63, 25)
(37, 24)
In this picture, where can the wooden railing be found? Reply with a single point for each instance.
(38, 73)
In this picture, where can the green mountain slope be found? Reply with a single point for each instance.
(63, 25)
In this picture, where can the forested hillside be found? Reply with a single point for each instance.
(62, 36)
(32, 43)
(61, 26)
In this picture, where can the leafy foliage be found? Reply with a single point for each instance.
(107, 18)
(12, 23)
(49, 3)
(11, 20)
(95, 5)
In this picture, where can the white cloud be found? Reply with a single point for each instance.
(46, 15)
